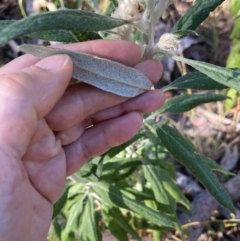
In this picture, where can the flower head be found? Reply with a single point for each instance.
(129, 10)
(168, 42)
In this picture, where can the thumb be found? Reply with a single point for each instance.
(28, 95)
(46, 81)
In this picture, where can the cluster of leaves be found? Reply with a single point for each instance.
(131, 187)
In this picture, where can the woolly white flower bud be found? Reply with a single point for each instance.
(168, 42)
(129, 10)
(132, 11)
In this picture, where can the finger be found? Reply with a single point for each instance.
(100, 138)
(152, 69)
(18, 64)
(80, 101)
(145, 103)
(120, 51)
(29, 95)
(70, 135)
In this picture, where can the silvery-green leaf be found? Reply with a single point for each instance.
(5, 23)
(58, 35)
(196, 81)
(74, 20)
(227, 77)
(64, 36)
(102, 73)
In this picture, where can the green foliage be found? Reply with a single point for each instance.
(132, 187)
(195, 81)
(196, 14)
(186, 154)
(70, 20)
(186, 102)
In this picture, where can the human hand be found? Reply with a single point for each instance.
(43, 135)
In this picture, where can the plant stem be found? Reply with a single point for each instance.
(149, 37)
(20, 3)
(160, 8)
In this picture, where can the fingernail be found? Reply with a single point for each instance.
(53, 62)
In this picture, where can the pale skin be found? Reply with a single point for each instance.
(43, 135)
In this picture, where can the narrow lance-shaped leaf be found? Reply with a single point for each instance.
(102, 73)
(116, 150)
(227, 77)
(166, 202)
(6, 23)
(60, 35)
(184, 153)
(172, 188)
(185, 102)
(196, 81)
(111, 195)
(57, 207)
(64, 36)
(74, 20)
(117, 231)
(183, 33)
(196, 14)
(118, 217)
(215, 166)
(89, 227)
(75, 213)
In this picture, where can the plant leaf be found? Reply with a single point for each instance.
(116, 150)
(55, 35)
(64, 36)
(183, 33)
(60, 35)
(117, 231)
(183, 152)
(57, 207)
(118, 217)
(186, 102)
(165, 201)
(74, 20)
(172, 188)
(6, 23)
(57, 228)
(89, 227)
(85, 36)
(228, 77)
(196, 81)
(196, 14)
(102, 73)
(151, 175)
(215, 166)
(75, 213)
(111, 195)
